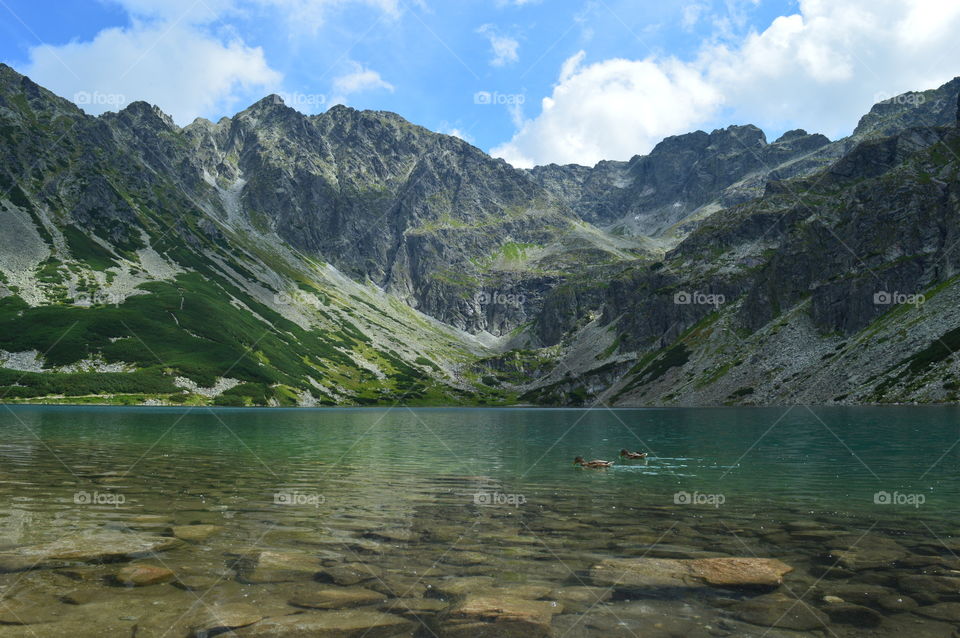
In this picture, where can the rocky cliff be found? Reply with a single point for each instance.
(353, 257)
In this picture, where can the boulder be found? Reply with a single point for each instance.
(143, 575)
(459, 587)
(949, 612)
(94, 546)
(501, 615)
(750, 573)
(29, 609)
(281, 567)
(781, 612)
(351, 623)
(928, 584)
(871, 552)
(849, 614)
(223, 618)
(348, 574)
(195, 533)
(336, 598)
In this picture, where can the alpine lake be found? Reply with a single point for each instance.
(372, 523)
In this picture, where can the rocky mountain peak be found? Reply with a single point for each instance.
(738, 138)
(791, 135)
(146, 114)
(266, 108)
(911, 109)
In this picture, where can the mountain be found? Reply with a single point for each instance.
(352, 257)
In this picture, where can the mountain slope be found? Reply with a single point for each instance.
(274, 258)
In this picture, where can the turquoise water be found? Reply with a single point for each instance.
(498, 485)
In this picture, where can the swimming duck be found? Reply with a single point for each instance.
(593, 465)
(632, 455)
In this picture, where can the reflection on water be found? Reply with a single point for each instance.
(474, 522)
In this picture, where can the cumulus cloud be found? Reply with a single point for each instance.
(820, 69)
(610, 109)
(177, 54)
(177, 66)
(359, 80)
(505, 49)
(447, 129)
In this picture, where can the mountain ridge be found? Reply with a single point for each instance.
(382, 262)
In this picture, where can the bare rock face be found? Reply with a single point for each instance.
(791, 234)
(655, 573)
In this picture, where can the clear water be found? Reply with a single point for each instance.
(490, 493)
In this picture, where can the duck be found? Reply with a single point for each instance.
(625, 453)
(593, 465)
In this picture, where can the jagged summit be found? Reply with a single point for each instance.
(377, 257)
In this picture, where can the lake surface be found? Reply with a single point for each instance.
(474, 522)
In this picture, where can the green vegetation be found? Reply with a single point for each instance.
(86, 250)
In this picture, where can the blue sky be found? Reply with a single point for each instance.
(533, 81)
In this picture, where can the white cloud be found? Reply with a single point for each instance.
(610, 109)
(359, 80)
(304, 14)
(447, 129)
(177, 54)
(821, 69)
(505, 49)
(692, 14)
(177, 66)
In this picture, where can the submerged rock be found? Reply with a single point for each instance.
(713, 572)
(414, 607)
(223, 618)
(95, 546)
(850, 614)
(281, 567)
(28, 610)
(349, 574)
(351, 623)
(781, 612)
(458, 587)
(501, 615)
(949, 612)
(336, 598)
(195, 533)
(143, 575)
